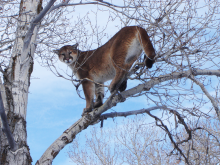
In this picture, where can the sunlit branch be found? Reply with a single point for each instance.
(175, 75)
(129, 113)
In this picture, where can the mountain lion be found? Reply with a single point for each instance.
(110, 61)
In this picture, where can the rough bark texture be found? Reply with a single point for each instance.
(5, 127)
(16, 86)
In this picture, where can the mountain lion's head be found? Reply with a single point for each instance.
(67, 54)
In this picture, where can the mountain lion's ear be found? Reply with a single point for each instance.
(56, 51)
(75, 46)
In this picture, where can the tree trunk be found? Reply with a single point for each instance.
(16, 85)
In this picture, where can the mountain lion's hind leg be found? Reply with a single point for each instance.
(123, 86)
(117, 81)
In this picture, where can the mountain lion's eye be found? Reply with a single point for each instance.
(63, 54)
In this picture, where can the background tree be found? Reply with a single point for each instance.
(136, 141)
(183, 85)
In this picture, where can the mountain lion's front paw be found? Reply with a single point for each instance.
(86, 110)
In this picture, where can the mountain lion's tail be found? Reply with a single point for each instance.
(146, 46)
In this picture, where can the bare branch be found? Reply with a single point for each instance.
(175, 75)
(128, 113)
(103, 3)
(214, 103)
(160, 123)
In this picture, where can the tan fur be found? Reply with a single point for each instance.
(110, 61)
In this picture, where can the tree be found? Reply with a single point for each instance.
(183, 84)
(136, 141)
